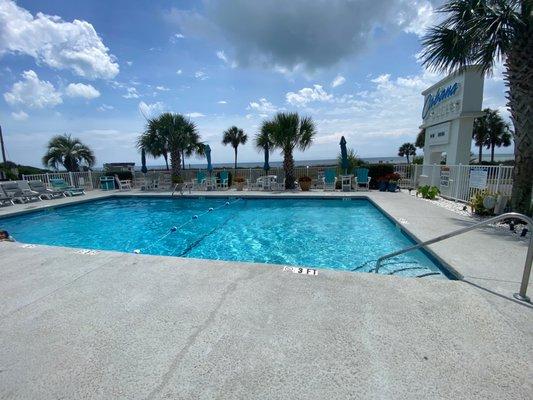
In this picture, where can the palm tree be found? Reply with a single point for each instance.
(262, 139)
(482, 32)
(173, 133)
(406, 150)
(153, 141)
(498, 132)
(479, 135)
(288, 131)
(69, 152)
(235, 137)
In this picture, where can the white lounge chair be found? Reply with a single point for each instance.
(123, 185)
(5, 200)
(17, 195)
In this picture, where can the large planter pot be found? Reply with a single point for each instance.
(383, 186)
(305, 186)
(239, 186)
(393, 186)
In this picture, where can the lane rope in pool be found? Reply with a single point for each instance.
(176, 228)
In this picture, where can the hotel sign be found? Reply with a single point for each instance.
(433, 100)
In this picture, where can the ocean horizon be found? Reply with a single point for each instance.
(311, 163)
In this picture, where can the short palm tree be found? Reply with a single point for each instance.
(406, 150)
(479, 135)
(482, 32)
(153, 141)
(289, 131)
(235, 137)
(69, 152)
(498, 132)
(174, 134)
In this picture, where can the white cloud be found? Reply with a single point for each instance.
(131, 93)
(19, 116)
(222, 102)
(82, 90)
(130, 63)
(177, 36)
(162, 88)
(148, 110)
(195, 115)
(307, 95)
(222, 56)
(339, 80)
(59, 44)
(201, 75)
(179, 72)
(33, 93)
(425, 17)
(262, 106)
(105, 107)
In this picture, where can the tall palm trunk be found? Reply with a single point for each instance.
(492, 147)
(235, 148)
(175, 162)
(165, 156)
(480, 156)
(183, 159)
(519, 76)
(288, 166)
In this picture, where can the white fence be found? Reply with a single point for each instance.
(78, 179)
(458, 182)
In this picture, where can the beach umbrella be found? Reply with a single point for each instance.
(144, 170)
(208, 156)
(344, 156)
(266, 166)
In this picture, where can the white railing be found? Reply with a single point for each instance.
(458, 182)
(78, 179)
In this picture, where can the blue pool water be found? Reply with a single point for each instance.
(337, 234)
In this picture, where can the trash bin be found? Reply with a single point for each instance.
(107, 183)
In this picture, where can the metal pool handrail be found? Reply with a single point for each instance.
(521, 295)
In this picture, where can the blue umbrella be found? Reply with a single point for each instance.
(266, 166)
(208, 156)
(344, 156)
(144, 170)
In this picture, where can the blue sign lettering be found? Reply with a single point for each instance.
(441, 95)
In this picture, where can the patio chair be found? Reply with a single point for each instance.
(258, 184)
(60, 184)
(39, 188)
(5, 200)
(224, 179)
(200, 182)
(330, 179)
(362, 178)
(17, 195)
(123, 184)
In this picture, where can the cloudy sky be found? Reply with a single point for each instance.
(96, 68)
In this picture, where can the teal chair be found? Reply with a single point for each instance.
(60, 184)
(362, 178)
(200, 182)
(224, 179)
(330, 179)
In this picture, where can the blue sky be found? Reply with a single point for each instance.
(94, 69)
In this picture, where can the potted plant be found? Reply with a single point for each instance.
(305, 183)
(393, 179)
(383, 183)
(177, 181)
(239, 183)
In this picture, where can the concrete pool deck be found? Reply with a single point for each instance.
(114, 325)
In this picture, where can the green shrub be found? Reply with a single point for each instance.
(477, 200)
(428, 192)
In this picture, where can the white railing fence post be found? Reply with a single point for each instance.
(498, 177)
(90, 175)
(71, 178)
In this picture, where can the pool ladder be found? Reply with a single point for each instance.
(521, 295)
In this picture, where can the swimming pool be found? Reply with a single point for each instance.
(347, 234)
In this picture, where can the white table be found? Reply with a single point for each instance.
(346, 183)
